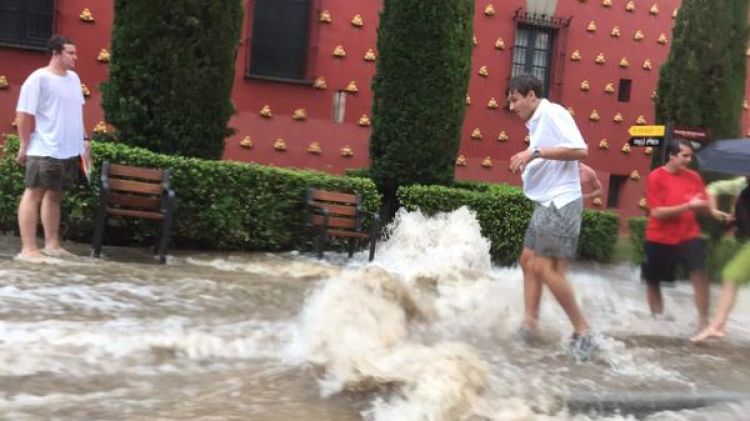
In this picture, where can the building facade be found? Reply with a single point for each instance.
(304, 67)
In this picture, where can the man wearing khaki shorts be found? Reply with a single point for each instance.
(51, 101)
(550, 175)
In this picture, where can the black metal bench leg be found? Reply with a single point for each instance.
(164, 241)
(321, 243)
(99, 233)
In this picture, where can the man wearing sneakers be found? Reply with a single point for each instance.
(51, 102)
(674, 194)
(551, 179)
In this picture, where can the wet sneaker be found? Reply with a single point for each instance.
(582, 346)
(528, 336)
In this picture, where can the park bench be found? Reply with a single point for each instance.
(135, 192)
(338, 214)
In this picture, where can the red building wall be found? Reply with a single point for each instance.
(250, 95)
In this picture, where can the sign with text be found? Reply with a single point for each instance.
(654, 142)
(697, 134)
(647, 131)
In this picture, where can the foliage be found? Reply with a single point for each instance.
(637, 229)
(171, 74)
(503, 212)
(419, 91)
(220, 205)
(702, 84)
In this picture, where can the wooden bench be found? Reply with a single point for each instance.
(135, 192)
(337, 214)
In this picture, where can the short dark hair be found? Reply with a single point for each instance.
(525, 83)
(674, 146)
(57, 43)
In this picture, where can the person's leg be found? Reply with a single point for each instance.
(51, 222)
(693, 256)
(658, 265)
(547, 269)
(28, 217)
(653, 295)
(532, 290)
(701, 292)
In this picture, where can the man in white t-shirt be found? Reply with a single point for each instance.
(551, 180)
(51, 102)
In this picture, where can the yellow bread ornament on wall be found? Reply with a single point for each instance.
(489, 10)
(100, 128)
(527, 139)
(594, 116)
(675, 12)
(339, 52)
(468, 100)
(625, 149)
(104, 56)
(492, 104)
(646, 64)
(3, 82)
(744, 104)
(266, 111)
(654, 95)
(325, 16)
(352, 87)
(347, 151)
(246, 142)
(299, 114)
(603, 144)
(607, 3)
(624, 63)
(615, 32)
(502, 137)
(591, 27)
(648, 150)
(500, 44)
(571, 111)
(487, 162)
(643, 204)
(638, 35)
(370, 55)
(86, 15)
(654, 10)
(585, 85)
(320, 83)
(662, 38)
(641, 120)
(635, 175)
(476, 134)
(617, 118)
(314, 148)
(630, 6)
(85, 90)
(364, 120)
(357, 21)
(609, 88)
(575, 56)
(279, 145)
(597, 201)
(474, 39)
(483, 71)
(14, 123)
(461, 161)
(600, 59)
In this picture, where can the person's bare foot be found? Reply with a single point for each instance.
(707, 334)
(57, 252)
(33, 257)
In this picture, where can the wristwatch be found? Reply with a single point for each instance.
(536, 153)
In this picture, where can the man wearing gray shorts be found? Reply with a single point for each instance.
(551, 179)
(51, 102)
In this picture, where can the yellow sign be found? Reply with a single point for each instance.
(646, 131)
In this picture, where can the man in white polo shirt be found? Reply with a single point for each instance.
(551, 180)
(51, 102)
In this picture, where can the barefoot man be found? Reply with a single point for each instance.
(51, 102)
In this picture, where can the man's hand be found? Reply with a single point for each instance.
(518, 161)
(722, 216)
(21, 156)
(697, 204)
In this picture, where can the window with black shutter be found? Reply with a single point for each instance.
(532, 52)
(26, 23)
(279, 39)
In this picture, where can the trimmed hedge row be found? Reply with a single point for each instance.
(503, 212)
(220, 204)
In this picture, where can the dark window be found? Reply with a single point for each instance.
(532, 52)
(616, 182)
(279, 41)
(26, 23)
(623, 93)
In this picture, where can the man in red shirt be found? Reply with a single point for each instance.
(674, 193)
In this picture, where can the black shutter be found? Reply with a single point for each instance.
(26, 23)
(280, 36)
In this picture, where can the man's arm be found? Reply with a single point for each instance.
(664, 212)
(23, 122)
(556, 153)
(590, 182)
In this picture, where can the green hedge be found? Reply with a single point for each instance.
(220, 205)
(503, 212)
(720, 250)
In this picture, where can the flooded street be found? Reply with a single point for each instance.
(426, 332)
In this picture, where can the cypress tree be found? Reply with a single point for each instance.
(171, 74)
(419, 91)
(702, 84)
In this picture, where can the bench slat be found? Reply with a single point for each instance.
(330, 196)
(134, 186)
(338, 209)
(136, 213)
(135, 201)
(136, 172)
(334, 222)
(354, 234)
